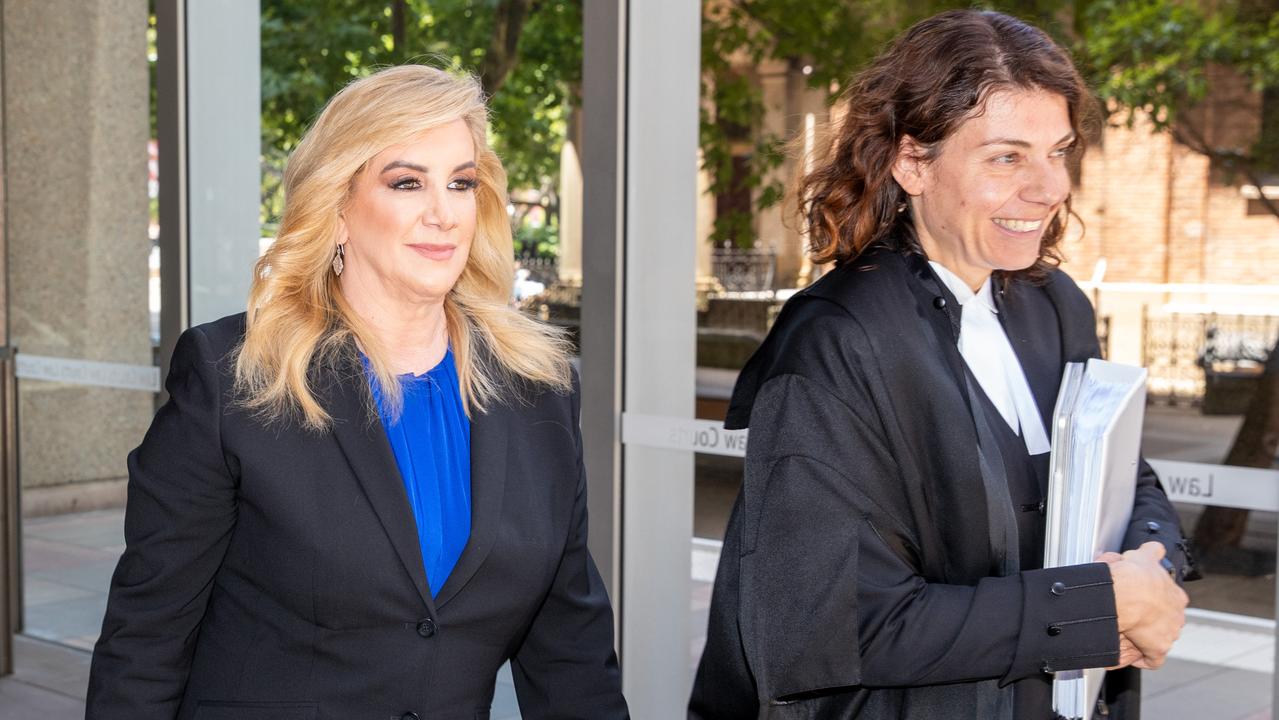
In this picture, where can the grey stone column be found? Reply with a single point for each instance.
(75, 147)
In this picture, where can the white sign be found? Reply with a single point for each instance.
(88, 372)
(1221, 485)
(704, 436)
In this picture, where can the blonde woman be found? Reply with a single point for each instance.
(366, 494)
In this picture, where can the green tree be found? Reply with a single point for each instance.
(832, 39)
(1166, 60)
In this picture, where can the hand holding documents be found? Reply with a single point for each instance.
(1096, 436)
(1149, 605)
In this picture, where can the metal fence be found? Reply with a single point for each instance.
(744, 269)
(1207, 359)
(545, 270)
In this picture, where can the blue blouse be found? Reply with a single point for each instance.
(432, 446)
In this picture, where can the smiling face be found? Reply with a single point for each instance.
(410, 219)
(987, 198)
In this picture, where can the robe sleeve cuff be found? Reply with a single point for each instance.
(1169, 535)
(1068, 621)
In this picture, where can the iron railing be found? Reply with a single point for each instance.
(545, 270)
(1183, 352)
(744, 269)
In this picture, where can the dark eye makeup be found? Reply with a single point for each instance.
(409, 182)
(406, 183)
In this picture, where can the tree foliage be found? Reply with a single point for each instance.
(1153, 58)
(829, 38)
(1161, 59)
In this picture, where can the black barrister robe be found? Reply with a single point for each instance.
(865, 567)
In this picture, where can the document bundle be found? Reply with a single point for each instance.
(1096, 439)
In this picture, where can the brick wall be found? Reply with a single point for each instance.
(1160, 212)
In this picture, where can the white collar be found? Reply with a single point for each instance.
(963, 294)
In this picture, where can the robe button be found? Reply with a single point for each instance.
(426, 628)
(1057, 589)
(1152, 527)
(1054, 630)
(939, 302)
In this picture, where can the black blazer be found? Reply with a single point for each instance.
(273, 572)
(861, 573)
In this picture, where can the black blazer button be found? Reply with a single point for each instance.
(1152, 527)
(426, 629)
(410, 715)
(1057, 589)
(939, 302)
(1054, 630)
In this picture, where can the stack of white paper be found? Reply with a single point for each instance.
(1092, 482)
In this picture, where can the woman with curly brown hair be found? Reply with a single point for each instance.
(884, 558)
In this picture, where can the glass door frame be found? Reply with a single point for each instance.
(10, 516)
(638, 326)
(209, 209)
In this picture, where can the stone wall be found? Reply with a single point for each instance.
(75, 152)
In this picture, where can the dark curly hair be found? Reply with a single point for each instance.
(930, 80)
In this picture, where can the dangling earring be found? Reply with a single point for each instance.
(338, 265)
(901, 207)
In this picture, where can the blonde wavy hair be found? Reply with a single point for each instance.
(297, 317)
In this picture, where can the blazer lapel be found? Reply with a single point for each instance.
(489, 431)
(363, 442)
